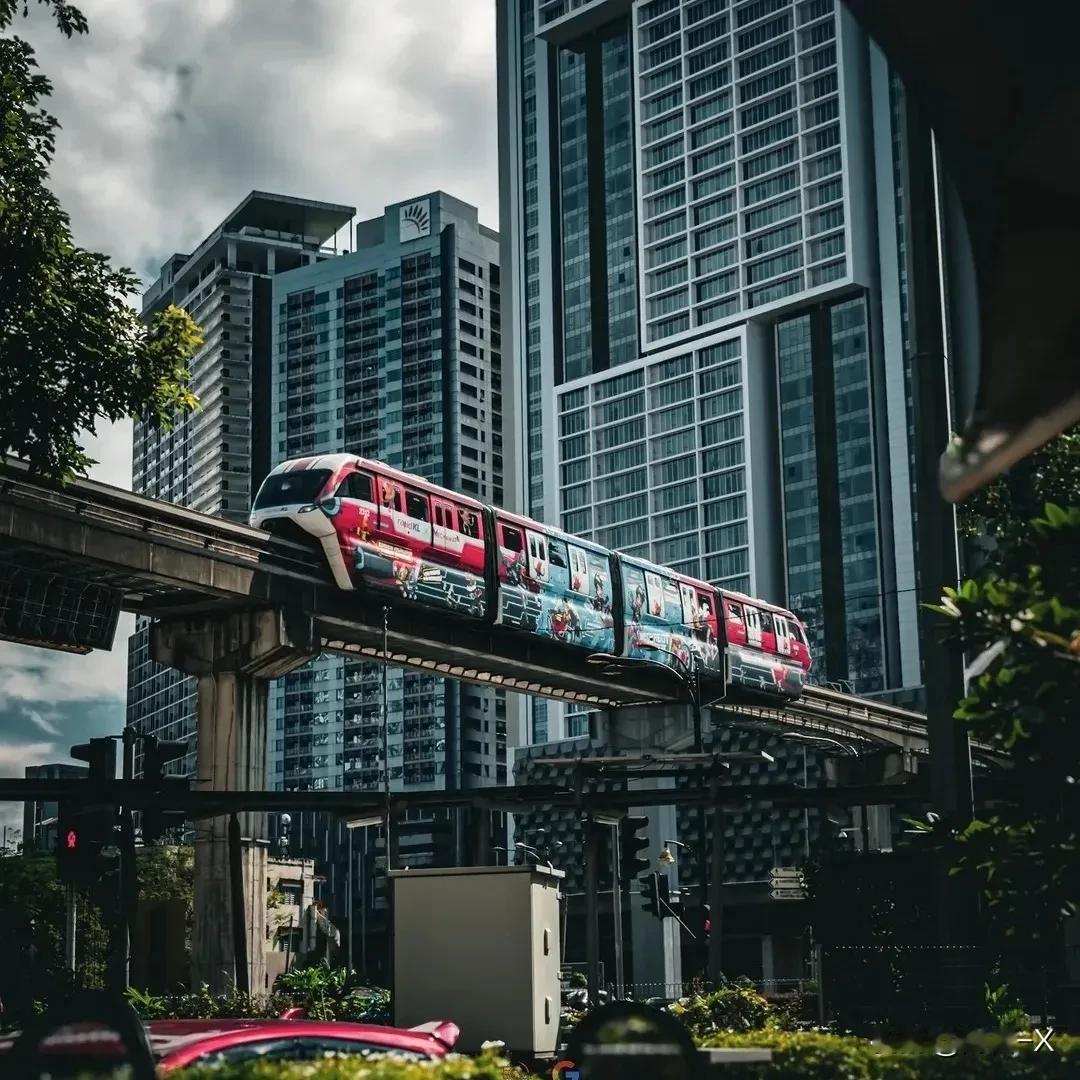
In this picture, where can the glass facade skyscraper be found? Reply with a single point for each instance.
(392, 352)
(214, 459)
(725, 380)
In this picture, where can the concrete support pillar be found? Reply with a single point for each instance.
(232, 657)
(656, 942)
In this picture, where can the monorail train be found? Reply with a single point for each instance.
(386, 530)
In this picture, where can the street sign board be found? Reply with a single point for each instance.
(787, 894)
(779, 873)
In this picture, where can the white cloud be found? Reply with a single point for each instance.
(39, 721)
(30, 675)
(173, 110)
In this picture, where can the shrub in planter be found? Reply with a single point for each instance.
(817, 1055)
(732, 1008)
(485, 1067)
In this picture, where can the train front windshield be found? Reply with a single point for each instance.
(292, 488)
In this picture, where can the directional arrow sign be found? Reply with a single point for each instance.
(787, 894)
(790, 872)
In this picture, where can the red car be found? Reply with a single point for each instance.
(179, 1043)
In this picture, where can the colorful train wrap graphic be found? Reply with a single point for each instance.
(385, 530)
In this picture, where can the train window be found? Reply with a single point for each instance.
(579, 570)
(438, 514)
(656, 595)
(557, 553)
(767, 622)
(417, 506)
(734, 611)
(702, 627)
(511, 539)
(470, 524)
(356, 485)
(673, 610)
(689, 614)
(389, 495)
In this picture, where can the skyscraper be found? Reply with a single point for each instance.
(703, 232)
(215, 458)
(393, 352)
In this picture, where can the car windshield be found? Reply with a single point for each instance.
(287, 489)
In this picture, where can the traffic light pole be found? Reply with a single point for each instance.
(617, 910)
(236, 903)
(592, 911)
(716, 888)
(71, 917)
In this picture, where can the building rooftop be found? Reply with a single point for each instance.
(289, 214)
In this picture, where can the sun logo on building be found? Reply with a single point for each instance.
(415, 221)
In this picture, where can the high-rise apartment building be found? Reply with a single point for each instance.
(705, 269)
(214, 459)
(393, 352)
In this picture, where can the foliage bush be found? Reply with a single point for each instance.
(817, 1055)
(487, 1066)
(732, 1008)
(324, 993)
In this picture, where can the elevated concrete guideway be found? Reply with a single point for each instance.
(236, 608)
(173, 564)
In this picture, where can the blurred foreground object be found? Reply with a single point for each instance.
(999, 84)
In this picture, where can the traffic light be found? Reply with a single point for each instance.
(633, 847)
(157, 753)
(659, 899)
(650, 890)
(83, 833)
(84, 828)
(100, 755)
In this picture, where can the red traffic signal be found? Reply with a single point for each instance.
(71, 840)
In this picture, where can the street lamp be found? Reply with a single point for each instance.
(666, 858)
(359, 823)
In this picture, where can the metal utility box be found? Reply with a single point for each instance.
(479, 946)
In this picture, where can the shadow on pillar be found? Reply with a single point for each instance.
(232, 657)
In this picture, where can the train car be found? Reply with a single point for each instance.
(552, 584)
(668, 617)
(383, 529)
(399, 534)
(767, 646)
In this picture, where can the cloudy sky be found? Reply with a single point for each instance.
(172, 110)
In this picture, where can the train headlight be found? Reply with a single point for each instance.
(308, 509)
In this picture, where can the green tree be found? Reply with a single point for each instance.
(1019, 622)
(32, 908)
(996, 519)
(74, 352)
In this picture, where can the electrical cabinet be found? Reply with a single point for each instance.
(480, 946)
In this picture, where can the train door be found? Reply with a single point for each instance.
(783, 635)
(735, 632)
(753, 626)
(539, 568)
(768, 632)
(416, 523)
(513, 561)
(391, 504)
(446, 541)
(471, 525)
(689, 606)
(579, 570)
(655, 588)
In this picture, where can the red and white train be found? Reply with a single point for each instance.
(385, 530)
